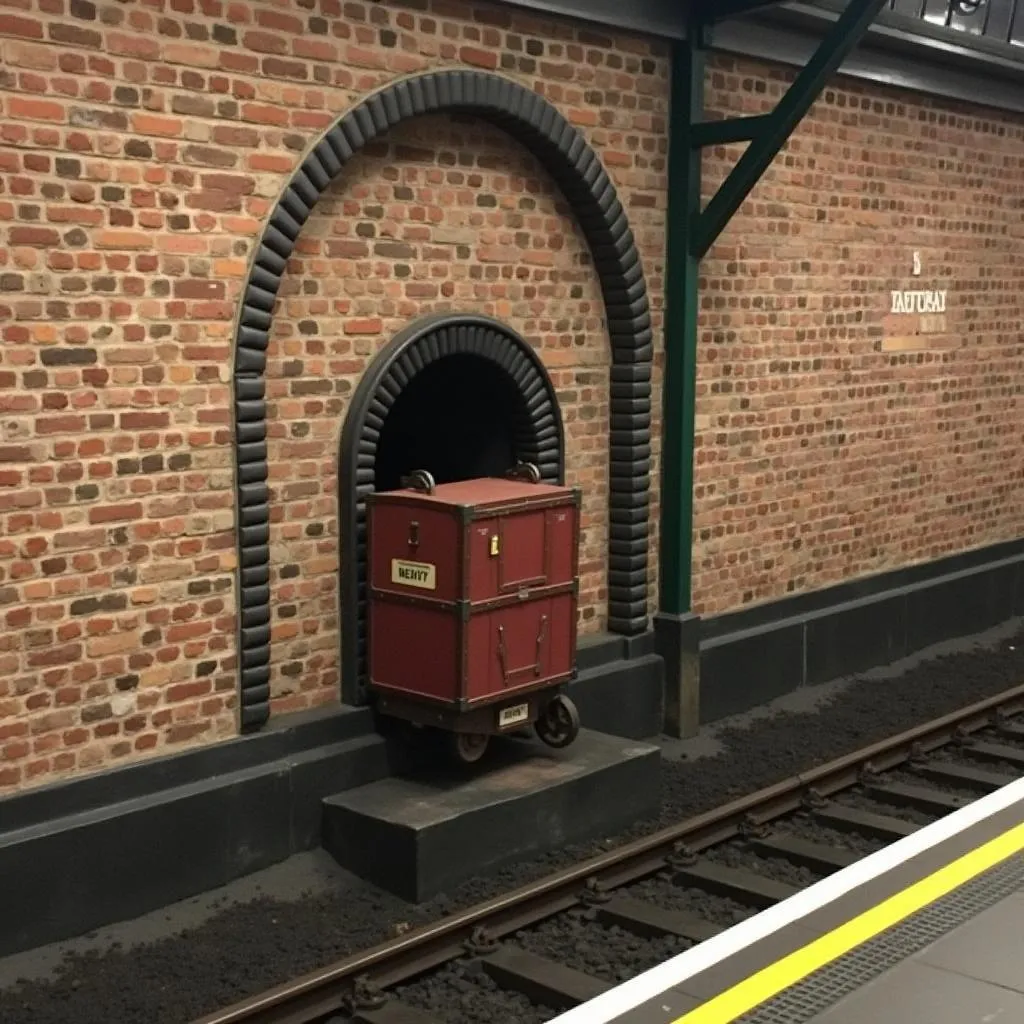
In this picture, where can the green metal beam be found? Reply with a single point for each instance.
(731, 129)
(684, 195)
(841, 38)
(675, 549)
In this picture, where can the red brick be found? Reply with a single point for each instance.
(35, 110)
(15, 453)
(115, 513)
(279, 22)
(478, 58)
(197, 288)
(24, 28)
(367, 325)
(38, 237)
(132, 45)
(154, 124)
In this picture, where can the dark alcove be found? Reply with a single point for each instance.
(458, 418)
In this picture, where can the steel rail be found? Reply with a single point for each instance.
(364, 975)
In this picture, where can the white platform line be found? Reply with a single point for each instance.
(652, 983)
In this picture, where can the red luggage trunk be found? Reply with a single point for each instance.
(473, 595)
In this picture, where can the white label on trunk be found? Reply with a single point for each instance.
(414, 574)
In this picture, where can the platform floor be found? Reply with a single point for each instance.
(973, 974)
(929, 930)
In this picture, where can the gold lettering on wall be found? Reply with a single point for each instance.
(916, 318)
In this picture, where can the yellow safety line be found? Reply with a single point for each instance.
(776, 977)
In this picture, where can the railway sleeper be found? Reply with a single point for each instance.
(1011, 730)
(735, 883)
(964, 776)
(816, 856)
(983, 751)
(866, 823)
(923, 798)
(652, 922)
(541, 980)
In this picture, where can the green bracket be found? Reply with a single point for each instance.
(731, 129)
(840, 39)
(690, 233)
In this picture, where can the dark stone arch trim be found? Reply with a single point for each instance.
(531, 119)
(538, 436)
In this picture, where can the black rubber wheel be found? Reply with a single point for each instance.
(468, 747)
(559, 723)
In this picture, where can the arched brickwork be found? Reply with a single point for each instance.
(575, 167)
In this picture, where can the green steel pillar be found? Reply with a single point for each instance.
(691, 231)
(676, 629)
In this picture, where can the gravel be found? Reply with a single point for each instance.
(736, 855)
(804, 828)
(718, 910)
(612, 954)
(465, 993)
(860, 802)
(248, 947)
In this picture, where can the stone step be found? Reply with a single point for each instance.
(421, 834)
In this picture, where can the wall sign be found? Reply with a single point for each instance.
(918, 302)
(916, 317)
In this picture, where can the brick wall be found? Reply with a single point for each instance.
(142, 145)
(834, 439)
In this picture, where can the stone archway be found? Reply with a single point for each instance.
(575, 167)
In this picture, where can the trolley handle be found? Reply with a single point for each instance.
(525, 471)
(419, 480)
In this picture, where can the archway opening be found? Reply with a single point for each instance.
(459, 395)
(458, 418)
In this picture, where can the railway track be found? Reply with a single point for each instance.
(568, 937)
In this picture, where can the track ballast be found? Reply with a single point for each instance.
(553, 944)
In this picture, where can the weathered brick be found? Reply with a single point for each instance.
(24, 108)
(41, 238)
(807, 391)
(115, 513)
(15, 26)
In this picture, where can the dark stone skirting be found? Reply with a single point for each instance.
(80, 854)
(750, 657)
(538, 438)
(533, 121)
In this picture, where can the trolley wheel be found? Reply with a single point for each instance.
(468, 747)
(559, 723)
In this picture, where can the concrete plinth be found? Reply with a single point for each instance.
(421, 835)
